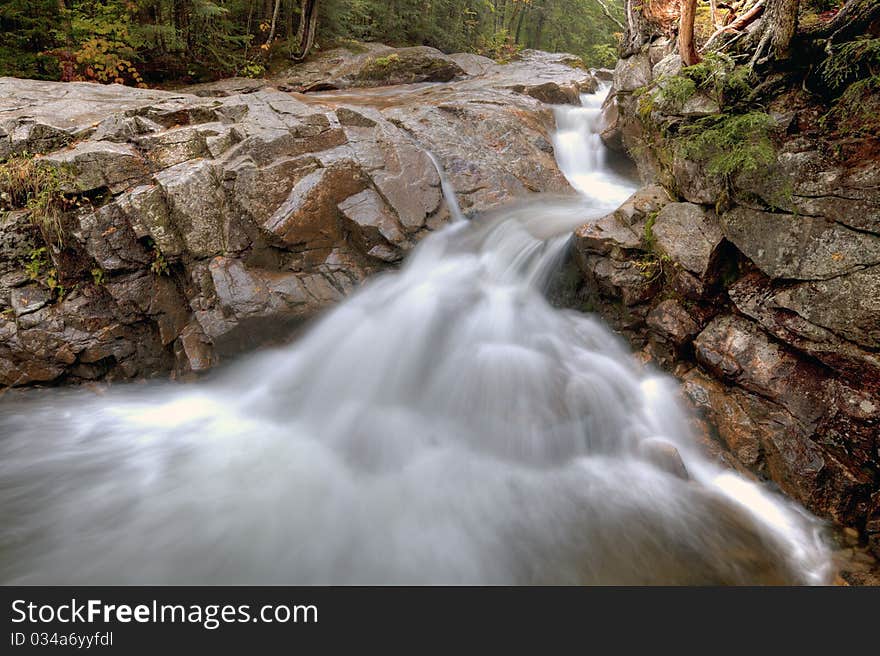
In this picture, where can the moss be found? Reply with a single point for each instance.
(650, 240)
(850, 61)
(159, 265)
(729, 143)
(379, 67)
(28, 183)
(38, 260)
(857, 111)
(40, 268)
(718, 76)
(675, 91)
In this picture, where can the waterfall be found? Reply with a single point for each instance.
(444, 424)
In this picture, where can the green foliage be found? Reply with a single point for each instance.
(674, 91)
(729, 144)
(850, 61)
(719, 77)
(39, 268)
(857, 111)
(98, 275)
(159, 265)
(137, 41)
(38, 259)
(501, 47)
(650, 240)
(602, 55)
(28, 183)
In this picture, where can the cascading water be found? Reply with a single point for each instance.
(445, 424)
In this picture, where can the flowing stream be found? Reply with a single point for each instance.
(444, 424)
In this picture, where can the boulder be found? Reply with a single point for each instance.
(407, 66)
(689, 235)
(95, 164)
(799, 247)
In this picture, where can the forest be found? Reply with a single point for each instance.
(154, 41)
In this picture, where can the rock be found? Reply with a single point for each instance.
(727, 409)
(605, 235)
(697, 185)
(665, 456)
(199, 210)
(791, 404)
(407, 66)
(96, 164)
(374, 223)
(668, 66)
(308, 219)
(736, 350)
(689, 235)
(552, 93)
(149, 216)
(25, 300)
(632, 73)
(848, 305)
(771, 304)
(231, 86)
(670, 321)
(110, 241)
(799, 247)
(217, 218)
(473, 64)
(352, 118)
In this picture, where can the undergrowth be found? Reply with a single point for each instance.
(728, 143)
(851, 61)
(27, 183)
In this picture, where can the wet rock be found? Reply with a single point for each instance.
(308, 219)
(219, 217)
(669, 320)
(375, 224)
(552, 93)
(799, 247)
(199, 210)
(820, 325)
(96, 164)
(689, 235)
(665, 456)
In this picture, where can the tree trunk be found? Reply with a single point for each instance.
(308, 24)
(271, 36)
(686, 47)
(853, 19)
(639, 27)
(778, 27)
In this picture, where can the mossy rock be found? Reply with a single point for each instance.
(408, 66)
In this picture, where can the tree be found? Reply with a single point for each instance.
(778, 27)
(686, 47)
(308, 25)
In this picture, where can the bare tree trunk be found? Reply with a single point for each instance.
(271, 36)
(610, 16)
(741, 22)
(686, 47)
(308, 24)
(713, 9)
(640, 29)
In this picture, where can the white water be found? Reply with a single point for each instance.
(443, 425)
